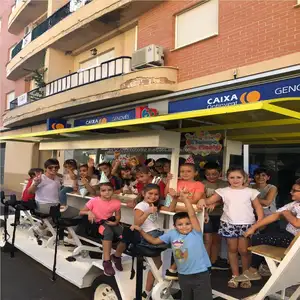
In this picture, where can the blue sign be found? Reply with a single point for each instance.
(53, 124)
(119, 116)
(261, 92)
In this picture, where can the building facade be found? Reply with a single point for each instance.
(74, 63)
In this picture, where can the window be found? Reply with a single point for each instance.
(197, 23)
(10, 97)
(96, 61)
(100, 72)
(10, 51)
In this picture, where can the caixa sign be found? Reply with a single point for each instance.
(119, 116)
(288, 88)
(138, 112)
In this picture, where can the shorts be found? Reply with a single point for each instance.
(228, 230)
(213, 224)
(111, 233)
(155, 233)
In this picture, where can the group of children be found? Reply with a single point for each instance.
(235, 211)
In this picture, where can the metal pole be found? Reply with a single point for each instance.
(246, 158)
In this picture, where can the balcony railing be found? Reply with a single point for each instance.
(108, 69)
(59, 15)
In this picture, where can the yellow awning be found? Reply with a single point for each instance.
(271, 121)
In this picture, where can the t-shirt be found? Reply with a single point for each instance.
(268, 210)
(48, 190)
(294, 208)
(151, 222)
(210, 188)
(191, 186)
(26, 195)
(189, 251)
(140, 187)
(116, 182)
(103, 209)
(92, 182)
(238, 205)
(67, 181)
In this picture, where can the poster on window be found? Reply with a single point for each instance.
(26, 40)
(203, 143)
(76, 4)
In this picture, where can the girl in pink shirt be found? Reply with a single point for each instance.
(106, 212)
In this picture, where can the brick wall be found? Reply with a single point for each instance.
(249, 32)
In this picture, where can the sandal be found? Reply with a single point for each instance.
(232, 283)
(246, 284)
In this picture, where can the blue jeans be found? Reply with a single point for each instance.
(63, 194)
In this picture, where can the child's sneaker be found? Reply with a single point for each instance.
(117, 262)
(264, 271)
(63, 208)
(171, 275)
(108, 268)
(220, 264)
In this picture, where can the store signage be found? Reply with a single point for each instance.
(76, 4)
(145, 112)
(138, 112)
(22, 99)
(119, 116)
(26, 40)
(53, 124)
(203, 143)
(261, 92)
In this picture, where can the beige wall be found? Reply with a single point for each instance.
(57, 64)
(42, 157)
(123, 45)
(19, 158)
(54, 5)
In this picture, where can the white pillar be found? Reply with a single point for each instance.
(246, 158)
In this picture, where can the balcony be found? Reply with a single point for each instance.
(25, 12)
(108, 84)
(69, 31)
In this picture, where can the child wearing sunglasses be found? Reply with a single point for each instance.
(291, 212)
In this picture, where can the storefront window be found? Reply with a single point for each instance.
(283, 161)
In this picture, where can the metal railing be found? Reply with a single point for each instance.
(108, 69)
(59, 15)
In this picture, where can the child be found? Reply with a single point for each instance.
(188, 249)
(106, 168)
(100, 210)
(212, 239)
(187, 181)
(128, 185)
(145, 216)
(34, 172)
(291, 212)
(69, 181)
(237, 218)
(86, 184)
(196, 191)
(268, 192)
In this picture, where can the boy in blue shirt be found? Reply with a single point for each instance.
(189, 252)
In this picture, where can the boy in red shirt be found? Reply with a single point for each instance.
(34, 172)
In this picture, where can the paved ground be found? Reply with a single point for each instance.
(23, 278)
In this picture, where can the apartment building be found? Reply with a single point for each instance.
(83, 62)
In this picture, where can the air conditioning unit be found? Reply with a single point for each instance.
(149, 56)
